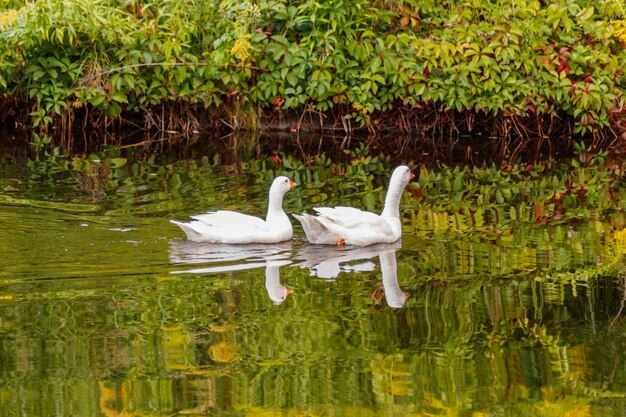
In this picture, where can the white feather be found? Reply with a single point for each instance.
(358, 227)
(236, 228)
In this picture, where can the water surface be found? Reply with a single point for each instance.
(105, 310)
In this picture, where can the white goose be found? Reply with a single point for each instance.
(351, 226)
(226, 226)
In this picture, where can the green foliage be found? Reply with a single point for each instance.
(358, 58)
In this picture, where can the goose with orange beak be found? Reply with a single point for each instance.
(230, 227)
(351, 226)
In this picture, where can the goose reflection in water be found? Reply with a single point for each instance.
(227, 258)
(277, 291)
(394, 295)
(327, 263)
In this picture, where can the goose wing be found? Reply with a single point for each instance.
(353, 219)
(226, 219)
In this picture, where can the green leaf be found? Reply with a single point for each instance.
(586, 13)
(376, 62)
(113, 110)
(280, 39)
(119, 97)
(292, 79)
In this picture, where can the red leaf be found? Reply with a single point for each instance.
(416, 192)
(563, 68)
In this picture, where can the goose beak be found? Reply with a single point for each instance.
(411, 175)
(289, 290)
(293, 184)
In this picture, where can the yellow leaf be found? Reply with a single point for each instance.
(7, 18)
(223, 352)
(221, 329)
(268, 363)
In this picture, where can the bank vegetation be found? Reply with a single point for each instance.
(516, 69)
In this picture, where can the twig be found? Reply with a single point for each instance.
(146, 142)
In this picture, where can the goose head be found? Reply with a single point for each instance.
(279, 188)
(281, 185)
(401, 176)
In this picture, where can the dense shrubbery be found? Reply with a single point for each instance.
(527, 67)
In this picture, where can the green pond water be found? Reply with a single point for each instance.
(486, 309)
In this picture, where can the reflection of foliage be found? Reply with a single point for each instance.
(491, 201)
(109, 396)
(497, 323)
(391, 377)
(617, 242)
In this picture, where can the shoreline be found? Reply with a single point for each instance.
(239, 146)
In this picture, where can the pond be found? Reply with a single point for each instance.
(504, 297)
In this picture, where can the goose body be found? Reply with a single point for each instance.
(349, 225)
(231, 227)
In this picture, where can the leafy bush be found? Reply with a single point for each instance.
(523, 62)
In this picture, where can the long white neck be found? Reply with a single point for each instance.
(392, 200)
(275, 207)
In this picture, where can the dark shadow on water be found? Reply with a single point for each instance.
(239, 147)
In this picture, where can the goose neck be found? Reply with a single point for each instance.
(275, 206)
(392, 201)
